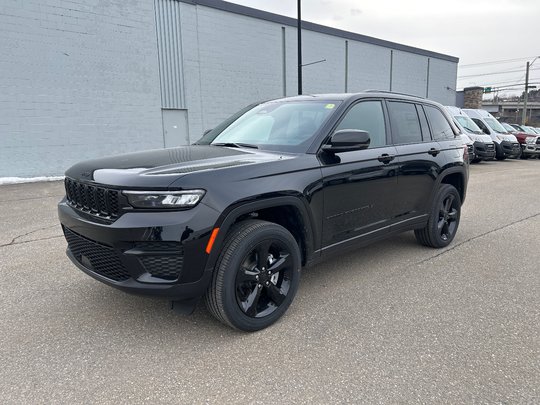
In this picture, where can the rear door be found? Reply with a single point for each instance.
(420, 158)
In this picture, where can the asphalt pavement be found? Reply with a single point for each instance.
(391, 323)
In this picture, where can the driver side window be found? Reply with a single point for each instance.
(367, 116)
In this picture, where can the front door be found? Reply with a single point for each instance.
(359, 186)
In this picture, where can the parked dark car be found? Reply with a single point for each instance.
(279, 186)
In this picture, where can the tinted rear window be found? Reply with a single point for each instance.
(404, 122)
(440, 127)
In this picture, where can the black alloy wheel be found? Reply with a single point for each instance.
(256, 276)
(443, 220)
(264, 278)
(448, 216)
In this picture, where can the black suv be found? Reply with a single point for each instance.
(278, 186)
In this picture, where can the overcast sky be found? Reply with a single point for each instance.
(475, 31)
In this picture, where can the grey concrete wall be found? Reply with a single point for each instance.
(77, 80)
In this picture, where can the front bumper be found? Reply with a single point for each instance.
(530, 149)
(149, 253)
(510, 149)
(484, 151)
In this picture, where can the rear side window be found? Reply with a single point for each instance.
(405, 123)
(440, 128)
(367, 116)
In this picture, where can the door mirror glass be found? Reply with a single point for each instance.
(347, 140)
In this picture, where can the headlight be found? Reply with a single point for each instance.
(530, 139)
(164, 199)
(500, 138)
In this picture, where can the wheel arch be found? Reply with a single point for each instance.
(455, 176)
(288, 211)
(457, 179)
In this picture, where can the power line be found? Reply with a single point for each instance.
(500, 72)
(518, 86)
(495, 62)
(513, 81)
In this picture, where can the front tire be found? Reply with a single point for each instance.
(256, 276)
(499, 154)
(443, 219)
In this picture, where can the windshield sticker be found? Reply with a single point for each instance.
(329, 106)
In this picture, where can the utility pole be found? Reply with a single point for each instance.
(300, 47)
(525, 96)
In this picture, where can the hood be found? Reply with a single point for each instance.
(508, 137)
(466, 140)
(480, 137)
(161, 167)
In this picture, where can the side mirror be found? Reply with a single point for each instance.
(486, 131)
(347, 140)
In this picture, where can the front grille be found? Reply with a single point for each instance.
(99, 258)
(98, 201)
(538, 141)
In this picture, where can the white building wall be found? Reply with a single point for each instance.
(327, 76)
(77, 80)
(81, 80)
(441, 87)
(240, 61)
(232, 60)
(409, 73)
(369, 67)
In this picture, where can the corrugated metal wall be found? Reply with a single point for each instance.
(169, 45)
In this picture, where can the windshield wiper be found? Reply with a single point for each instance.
(236, 145)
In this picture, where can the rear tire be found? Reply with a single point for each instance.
(443, 221)
(256, 276)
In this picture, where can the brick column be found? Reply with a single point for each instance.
(473, 97)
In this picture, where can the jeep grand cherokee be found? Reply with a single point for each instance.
(278, 186)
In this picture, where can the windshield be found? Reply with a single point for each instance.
(528, 130)
(468, 124)
(508, 127)
(495, 125)
(288, 126)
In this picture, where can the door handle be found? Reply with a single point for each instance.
(386, 158)
(434, 152)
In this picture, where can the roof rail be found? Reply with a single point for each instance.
(392, 92)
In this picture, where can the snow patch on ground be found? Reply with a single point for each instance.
(19, 180)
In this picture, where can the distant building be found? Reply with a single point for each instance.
(85, 79)
(511, 111)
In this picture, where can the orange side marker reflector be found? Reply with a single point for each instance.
(211, 240)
